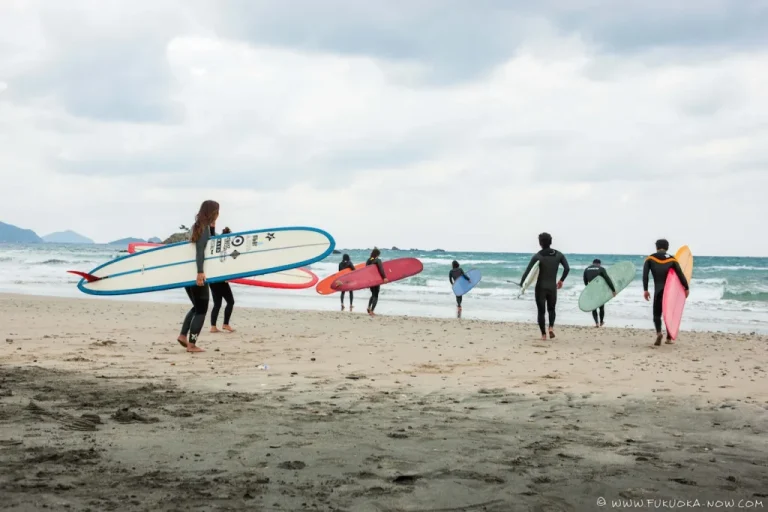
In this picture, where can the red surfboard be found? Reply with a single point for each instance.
(395, 270)
(324, 286)
(294, 279)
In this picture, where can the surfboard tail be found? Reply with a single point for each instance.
(85, 275)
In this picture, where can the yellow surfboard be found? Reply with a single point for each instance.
(685, 259)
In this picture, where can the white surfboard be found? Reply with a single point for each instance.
(532, 277)
(293, 279)
(227, 257)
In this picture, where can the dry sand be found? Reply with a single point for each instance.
(100, 409)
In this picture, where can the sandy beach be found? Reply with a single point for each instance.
(100, 409)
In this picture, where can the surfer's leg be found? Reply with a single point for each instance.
(351, 298)
(227, 292)
(594, 316)
(602, 315)
(551, 304)
(373, 300)
(187, 324)
(658, 300)
(201, 308)
(459, 298)
(540, 309)
(217, 296)
(342, 300)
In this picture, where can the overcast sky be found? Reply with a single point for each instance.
(465, 125)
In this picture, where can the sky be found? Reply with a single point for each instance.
(463, 125)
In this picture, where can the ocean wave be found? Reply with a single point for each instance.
(745, 296)
(464, 263)
(715, 268)
(56, 261)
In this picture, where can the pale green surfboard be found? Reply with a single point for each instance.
(597, 292)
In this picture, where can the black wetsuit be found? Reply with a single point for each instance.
(453, 275)
(659, 264)
(220, 291)
(375, 289)
(199, 295)
(590, 273)
(546, 285)
(344, 265)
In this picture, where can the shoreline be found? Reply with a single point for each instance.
(100, 408)
(245, 301)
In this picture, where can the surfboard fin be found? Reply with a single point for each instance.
(88, 277)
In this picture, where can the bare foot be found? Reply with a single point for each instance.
(551, 333)
(602, 324)
(597, 325)
(670, 342)
(543, 337)
(227, 327)
(351, 307)
(194, 348)
(658, 340)
(342, 307)
(215, 329)
(182, 341)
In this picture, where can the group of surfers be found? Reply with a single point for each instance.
(550, 260)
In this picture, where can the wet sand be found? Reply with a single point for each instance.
(101, 409)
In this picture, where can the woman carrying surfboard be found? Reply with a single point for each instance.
(346, 263)
(374, 260)
(221, 291)
(198, 294)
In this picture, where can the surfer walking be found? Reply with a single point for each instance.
(547, 283)
(590, 273)
(199, 293)
(375, 260)
(221, 291)
(455, 273)
(659, 264)
(344, 264)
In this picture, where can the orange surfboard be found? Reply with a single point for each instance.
(324, 286)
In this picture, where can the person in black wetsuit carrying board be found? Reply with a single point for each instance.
(346, 263)
(220, 291)
(199, 293)
(590, 273)
(453, 274)
(659, 264)
(374, 260)
(547, 284)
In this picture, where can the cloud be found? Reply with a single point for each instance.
(103, 62)
(437, 124)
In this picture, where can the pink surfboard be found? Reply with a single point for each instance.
(673, 304)
(674, 294)
(294, 279)
(395, 270)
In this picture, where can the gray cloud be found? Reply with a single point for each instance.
(113, 70)
(460, 40)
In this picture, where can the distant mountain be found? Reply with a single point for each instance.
(10, 233)
(67, 237)
(126, 241)
(155, 240)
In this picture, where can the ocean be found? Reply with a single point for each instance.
(728, 294)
